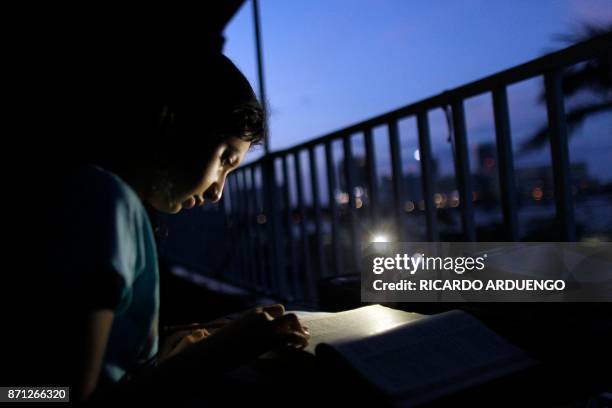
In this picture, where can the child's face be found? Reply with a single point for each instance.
(206, 181)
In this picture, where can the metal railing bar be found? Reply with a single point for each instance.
(331, 186)
(566, 57)
(557, 126)
(272, 231)
(251, 260)
(371, 174)
(261, 269)
(289, 224)
(505, 163)
(463, 176)
(397, 179)
(351, 208)
(427, 177)
(306, 274)
(316, 203)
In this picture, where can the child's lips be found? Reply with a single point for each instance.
(193, 201)
(189, 203)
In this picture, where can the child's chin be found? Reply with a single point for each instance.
(174, 209)
(171, 208)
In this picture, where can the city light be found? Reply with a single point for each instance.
(342, 197)
(380, 238)
(438, 200)
(408, 206)
(537, 193)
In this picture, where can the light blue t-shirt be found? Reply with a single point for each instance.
(112, 233)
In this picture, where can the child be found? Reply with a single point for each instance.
(98, 282)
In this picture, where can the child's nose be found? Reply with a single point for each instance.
(213, 193)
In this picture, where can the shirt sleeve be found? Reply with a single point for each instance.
(102, 252)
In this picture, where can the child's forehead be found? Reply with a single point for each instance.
(237, 144)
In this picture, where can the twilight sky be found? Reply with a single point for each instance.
(329, 64)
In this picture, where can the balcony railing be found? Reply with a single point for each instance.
(283, 247)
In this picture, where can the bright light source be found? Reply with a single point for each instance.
(380, 238)
(417, 155)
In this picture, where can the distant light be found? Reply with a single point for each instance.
(409, 206)
(537, 193)
(417, 155)
(454, 199)
(380, 238)
(438, 200)
(342, 197)
(261, 219)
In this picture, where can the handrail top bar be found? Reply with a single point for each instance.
(568, 56)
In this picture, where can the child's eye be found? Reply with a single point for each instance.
(229, 160)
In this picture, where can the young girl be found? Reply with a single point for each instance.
(97, 294)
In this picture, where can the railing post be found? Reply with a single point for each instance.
(305, 264)
(252, 269)
(505, 163)
(557, 127)
(350, 186)
(260, 70)
(316, 204)
(397, 179)
(240, 229)
(427, 176)
(333, 212)
(462, 165)
(289, 221)
(272, 229)
(371, 169)
(259, 242)
(231, 225)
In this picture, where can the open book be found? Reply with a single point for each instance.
(413, 358)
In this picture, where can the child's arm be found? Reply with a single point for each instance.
(276, 310)
(235, 344)
(97, 327)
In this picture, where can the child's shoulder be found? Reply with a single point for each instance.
(95, 183)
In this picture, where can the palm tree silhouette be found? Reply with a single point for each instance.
(594, 75)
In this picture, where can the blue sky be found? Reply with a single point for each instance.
(329, 64)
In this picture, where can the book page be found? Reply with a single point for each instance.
(352, 324)
(427, 358)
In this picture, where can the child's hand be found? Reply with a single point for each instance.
(238, 342)
(179, 341)
(273, 310)
(264, 328)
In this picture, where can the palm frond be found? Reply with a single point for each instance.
(575, 118)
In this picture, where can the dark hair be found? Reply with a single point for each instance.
(165, 113)
(215, 99)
